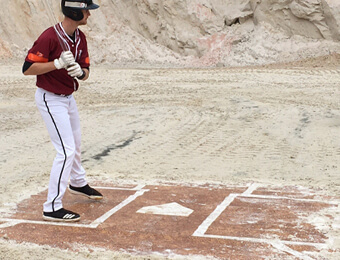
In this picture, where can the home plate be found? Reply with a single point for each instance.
(171, 209)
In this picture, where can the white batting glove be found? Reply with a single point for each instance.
(66, 58)
(75, 70)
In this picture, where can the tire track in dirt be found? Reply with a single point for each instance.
(228, 118)
(217, 124)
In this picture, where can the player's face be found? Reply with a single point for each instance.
(86, 14)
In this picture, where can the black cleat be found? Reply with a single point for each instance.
(61, 215)
(86, 191)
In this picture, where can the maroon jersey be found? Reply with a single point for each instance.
(48, 47)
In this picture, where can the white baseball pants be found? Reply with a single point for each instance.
(61, 117)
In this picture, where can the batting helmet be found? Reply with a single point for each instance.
(72, 8)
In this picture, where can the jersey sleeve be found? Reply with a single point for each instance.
(40, 51)
(84, 59)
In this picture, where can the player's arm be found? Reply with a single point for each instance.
(87, 74)
(40, 66)
(37, 68)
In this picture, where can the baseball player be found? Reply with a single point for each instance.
(59, 58)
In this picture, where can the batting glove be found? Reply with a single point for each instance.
(66, 58)
(75, 70)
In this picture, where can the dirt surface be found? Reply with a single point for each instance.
(211, 221)
(269, 125)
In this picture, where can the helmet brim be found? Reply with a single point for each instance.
(92, 7)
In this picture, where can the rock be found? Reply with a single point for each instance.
(317, 19)
(331, 10)
(183, 32)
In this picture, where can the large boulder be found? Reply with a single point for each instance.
(185, 32)
(317, 19)
(188, 27)
(180, 24)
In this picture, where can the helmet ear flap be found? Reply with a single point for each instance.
(75, 15)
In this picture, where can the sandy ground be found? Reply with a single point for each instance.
(271, 125)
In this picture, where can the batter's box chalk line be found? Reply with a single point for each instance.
(278, 244)
(139, 192)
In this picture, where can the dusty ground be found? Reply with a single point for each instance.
(270, 125)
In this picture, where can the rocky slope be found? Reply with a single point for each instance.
(186, 32)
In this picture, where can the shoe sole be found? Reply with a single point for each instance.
(60, 219)
(82, 194)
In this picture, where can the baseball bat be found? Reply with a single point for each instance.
(61, 41)
(51, 13)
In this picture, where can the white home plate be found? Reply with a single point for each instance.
(171, 209)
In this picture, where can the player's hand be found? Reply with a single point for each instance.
(75, 70)
(66, 58)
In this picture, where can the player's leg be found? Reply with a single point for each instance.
(78, 183)
(77, 177)
(54, 110)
